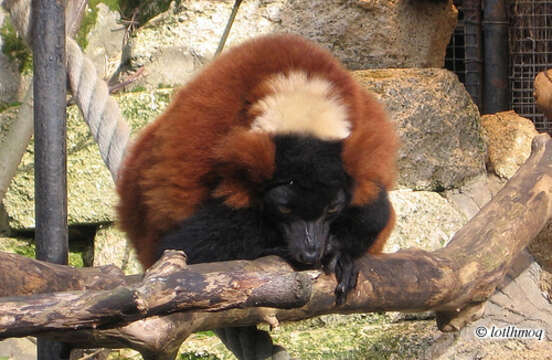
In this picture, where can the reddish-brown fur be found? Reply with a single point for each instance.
(204, 135)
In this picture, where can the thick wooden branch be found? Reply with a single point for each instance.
(20, 276)
(453, 280)
(167, 287)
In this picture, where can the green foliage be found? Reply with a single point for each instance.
(143, 107)
(144, 10)
(15, 48)
(113, 5)
(27, 249)
(334, 337)
(138, 88)
(76, 260)
(5, 106)
(205, 334)
(357, 338)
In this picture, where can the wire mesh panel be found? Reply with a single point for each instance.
(455, 55)
(530, 38)
(463, 55)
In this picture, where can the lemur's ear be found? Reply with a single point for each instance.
(243, 160)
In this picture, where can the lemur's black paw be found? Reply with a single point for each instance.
(346, 274)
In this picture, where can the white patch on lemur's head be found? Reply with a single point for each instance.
(301, 105)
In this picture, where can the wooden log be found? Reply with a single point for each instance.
(20, 276)
(165, 289)
(453, 280)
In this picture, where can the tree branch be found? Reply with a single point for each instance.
(167, 287)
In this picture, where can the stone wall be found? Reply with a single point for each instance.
(363, 34)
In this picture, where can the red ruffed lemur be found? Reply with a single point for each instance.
(272, 149)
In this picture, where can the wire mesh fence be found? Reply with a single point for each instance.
(455, 56)
(530, 47)
(530, 42)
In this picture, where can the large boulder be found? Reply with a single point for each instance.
(425, 220)
(105, 41)
(362, 34)
(18, 348)
(441, 145)
(111, 247)
(508, 136)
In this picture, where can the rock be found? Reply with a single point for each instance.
(7, 118)
(91, 195)
(452, 346)
(471, 197)
(19, 246)
(409, 33)
(543, 92)
(9, 81)
(10, 78)
(105, 41)
(425, 220)
(362, 34)
(508, 137)
(112, 248)
(18, 349)
(441, 145)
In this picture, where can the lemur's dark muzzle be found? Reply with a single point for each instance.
(307, 240)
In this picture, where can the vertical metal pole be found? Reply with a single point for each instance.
(495, 39)
(473, 52)
(48, 19)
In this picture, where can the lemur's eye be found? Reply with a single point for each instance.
(284, 210)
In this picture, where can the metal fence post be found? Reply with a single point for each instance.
(495, 40)
(48, 19)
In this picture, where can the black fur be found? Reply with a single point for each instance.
(357, 227)
(309, 190)
(218, 233)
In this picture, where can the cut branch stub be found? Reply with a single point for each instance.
(21, 276)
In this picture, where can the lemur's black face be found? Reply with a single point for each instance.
(304, 218)
(307, 193)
